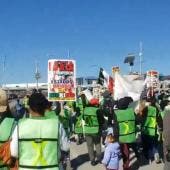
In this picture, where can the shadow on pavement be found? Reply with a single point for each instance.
(81, 159)
(135, 165)
(142, 161)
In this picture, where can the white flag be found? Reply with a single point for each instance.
(126, 87)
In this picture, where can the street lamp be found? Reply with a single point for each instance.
(130, 60)
(37, 75)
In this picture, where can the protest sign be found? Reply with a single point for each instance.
(152, 79)
(115, 69)
(61, 80)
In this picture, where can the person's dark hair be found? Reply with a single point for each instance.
(39, 91)
(123, 103)
(152, 100)
(34, 91)
(83, 98)
(49, 105)
(58, 108)
(163, 104)
(38, 103)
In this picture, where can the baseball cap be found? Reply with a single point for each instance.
(3, 100)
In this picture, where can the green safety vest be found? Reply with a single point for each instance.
(80, 105)
(69, 104)
(38, 144)
(150, 125)
(127, 126)
(79, 120)
(91, 122)
(25, 102)
(65, 119)
(6, 129)
(50, 114)
(79, 125)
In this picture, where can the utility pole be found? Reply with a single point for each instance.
(37, 74)
(3, 66)
(68, 54)
(140, 57)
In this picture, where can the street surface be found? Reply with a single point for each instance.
(80, 161)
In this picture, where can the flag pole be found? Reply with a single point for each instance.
(140, 57)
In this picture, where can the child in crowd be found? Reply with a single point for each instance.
(112, 153)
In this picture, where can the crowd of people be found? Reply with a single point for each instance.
(38, 134)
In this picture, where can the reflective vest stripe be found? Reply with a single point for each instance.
(39, 147)
(92, 126)
(126, 121)
(127, 134)
(3, 141)
(127, 130)
(149, 127)
(38, 139)
(38, 167)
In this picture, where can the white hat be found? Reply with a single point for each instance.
(88, 94)
(110, 131)
(3, 101)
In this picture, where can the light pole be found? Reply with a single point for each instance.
(37, 75)
(130, 60)
(140, 57)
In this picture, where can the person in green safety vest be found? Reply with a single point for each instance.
(163, 103)
(166, 135)
(78, 119)
(7, 124)
(38, 140)
(151, 126)
(66, 117)
(50, 113)
(91, 128)
(126, 123)
(53, 113)
(25, 105)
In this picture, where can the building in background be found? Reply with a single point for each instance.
(83, 81)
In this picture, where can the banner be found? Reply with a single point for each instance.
(124, 86)
(61, 80)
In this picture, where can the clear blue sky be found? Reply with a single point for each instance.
(98, 33)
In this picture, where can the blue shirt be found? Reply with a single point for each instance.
(112, 155)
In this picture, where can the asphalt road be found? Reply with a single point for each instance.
(79, 160)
